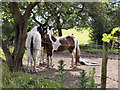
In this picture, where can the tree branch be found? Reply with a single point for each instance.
(15, 11)
(4, 48)
(29, 10)
(35, 19)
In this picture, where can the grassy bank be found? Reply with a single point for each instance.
(24, 80)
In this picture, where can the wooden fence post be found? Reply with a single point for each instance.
(119, 58)
(104, 65)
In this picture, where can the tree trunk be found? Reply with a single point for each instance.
(14, 60)
(59, 31)
(59, 26)
(19, 47)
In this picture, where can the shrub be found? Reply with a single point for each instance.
(87, 82)
(61, 73)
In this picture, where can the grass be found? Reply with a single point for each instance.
(93, 50)
(24, 80)
(114, 51)
(2, 55)
(82, 35)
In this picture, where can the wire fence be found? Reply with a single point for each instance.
(92, 50)
(89, 50)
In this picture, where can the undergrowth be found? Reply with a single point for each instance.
(87, 81)
(62, 77)
(24, 80)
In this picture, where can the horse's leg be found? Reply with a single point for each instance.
(28, 66)
(28, 60)
(72, 62)
(40, 57)
(45, 57)
(77, 54)
(51, 63)
(48, 60)
(31, 64)
(36, 53)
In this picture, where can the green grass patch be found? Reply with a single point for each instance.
(66, 51)
(2, 55)
(24, 80)
(114, 51)
(25, 55)
(82, 36)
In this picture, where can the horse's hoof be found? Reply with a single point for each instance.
(52, 65)
(71, 66)
(75, 67)
(79, 64)
(40, 64)
(36, 71)
(44, 63)
(47, 67)
(28, 71)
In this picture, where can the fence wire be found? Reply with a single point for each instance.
(92, 51)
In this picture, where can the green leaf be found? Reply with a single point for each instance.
(104, 35)
(114, 30)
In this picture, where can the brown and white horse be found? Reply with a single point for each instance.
(67, 42)
(42, 30)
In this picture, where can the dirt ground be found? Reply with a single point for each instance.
(72, 74)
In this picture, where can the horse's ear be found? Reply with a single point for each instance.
(46, 23)
(45, 31)
(50, 27)
(38, 28)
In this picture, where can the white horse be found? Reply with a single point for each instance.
(33, 46)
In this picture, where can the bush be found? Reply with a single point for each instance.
(8, 32)
(61, 73)
(87, 82)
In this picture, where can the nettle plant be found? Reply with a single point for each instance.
(87, 81)
(108, 37)
(62, 73)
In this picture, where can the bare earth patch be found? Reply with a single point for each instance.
(72, 74)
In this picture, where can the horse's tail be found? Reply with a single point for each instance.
(77, 52)
(31, 46)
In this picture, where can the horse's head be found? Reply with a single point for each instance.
(48, 33)
(42, 29)
(51, 28)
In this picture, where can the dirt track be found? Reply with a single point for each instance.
(72, 74)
